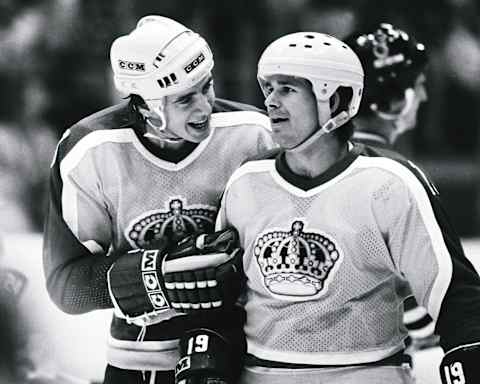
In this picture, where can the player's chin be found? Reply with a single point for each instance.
(282, 141)
(198, 132)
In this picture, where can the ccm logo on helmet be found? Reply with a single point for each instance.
(195, 63)
(131, 65)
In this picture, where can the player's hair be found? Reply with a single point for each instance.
(135, 102)
(344, 96)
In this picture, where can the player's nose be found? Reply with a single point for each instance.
(271, 101)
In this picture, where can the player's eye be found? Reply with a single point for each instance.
(206, 88)
(287, 89)
(185, 100)
(267, 89)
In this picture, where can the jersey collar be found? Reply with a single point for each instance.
(306, 183)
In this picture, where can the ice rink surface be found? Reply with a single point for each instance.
(74, 346)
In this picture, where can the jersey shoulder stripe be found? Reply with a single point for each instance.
(239, 118)
(393, 155)
(250, 167)
(224, 105)
(421, 194)
(92, 140)
(111, 118)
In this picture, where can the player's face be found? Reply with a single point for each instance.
(409, 120)
(292, 108)
(187, 113)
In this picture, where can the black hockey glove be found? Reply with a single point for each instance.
(201, 273)
(204, 272)
(136, 286)
(461, 365)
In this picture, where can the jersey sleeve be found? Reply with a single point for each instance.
(225, 105)
(428, 253)
(266, 145)
(222, 220)
(76, 232)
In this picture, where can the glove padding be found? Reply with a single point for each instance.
(209, 357)
(204, 272)
(461, 365)
(136, 285)
(201, 273)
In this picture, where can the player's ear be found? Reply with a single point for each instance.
(334, 102)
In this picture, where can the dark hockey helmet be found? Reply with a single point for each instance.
(392, 61)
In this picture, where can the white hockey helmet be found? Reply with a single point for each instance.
(325, 61)
(158, 58)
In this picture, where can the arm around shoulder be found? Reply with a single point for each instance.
(75, 277)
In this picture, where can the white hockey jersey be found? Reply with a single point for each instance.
(330, 260)
(111, 194)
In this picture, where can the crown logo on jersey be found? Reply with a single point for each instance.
(176, 221)
(296, 265)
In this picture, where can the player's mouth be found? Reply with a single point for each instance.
(278, 120)
(199, 125)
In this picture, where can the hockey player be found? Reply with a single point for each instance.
(394, 64)
(138, 177)
(336, 234)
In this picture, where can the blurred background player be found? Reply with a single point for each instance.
(137, 175)
(394, 64)
(360, 229)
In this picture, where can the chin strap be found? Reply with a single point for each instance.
(161, 135)
(329, 126)
(160, 132)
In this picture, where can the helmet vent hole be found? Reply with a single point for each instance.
(292, 45)
(344, 47)
(309, 36)
(326, 43)
(308, 46)
(167, 81)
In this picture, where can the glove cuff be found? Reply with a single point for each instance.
(461, 365)
(205, 353)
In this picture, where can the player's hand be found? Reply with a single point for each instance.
(199, 274)
(461, 365)
(135, 284)
(204, 272)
